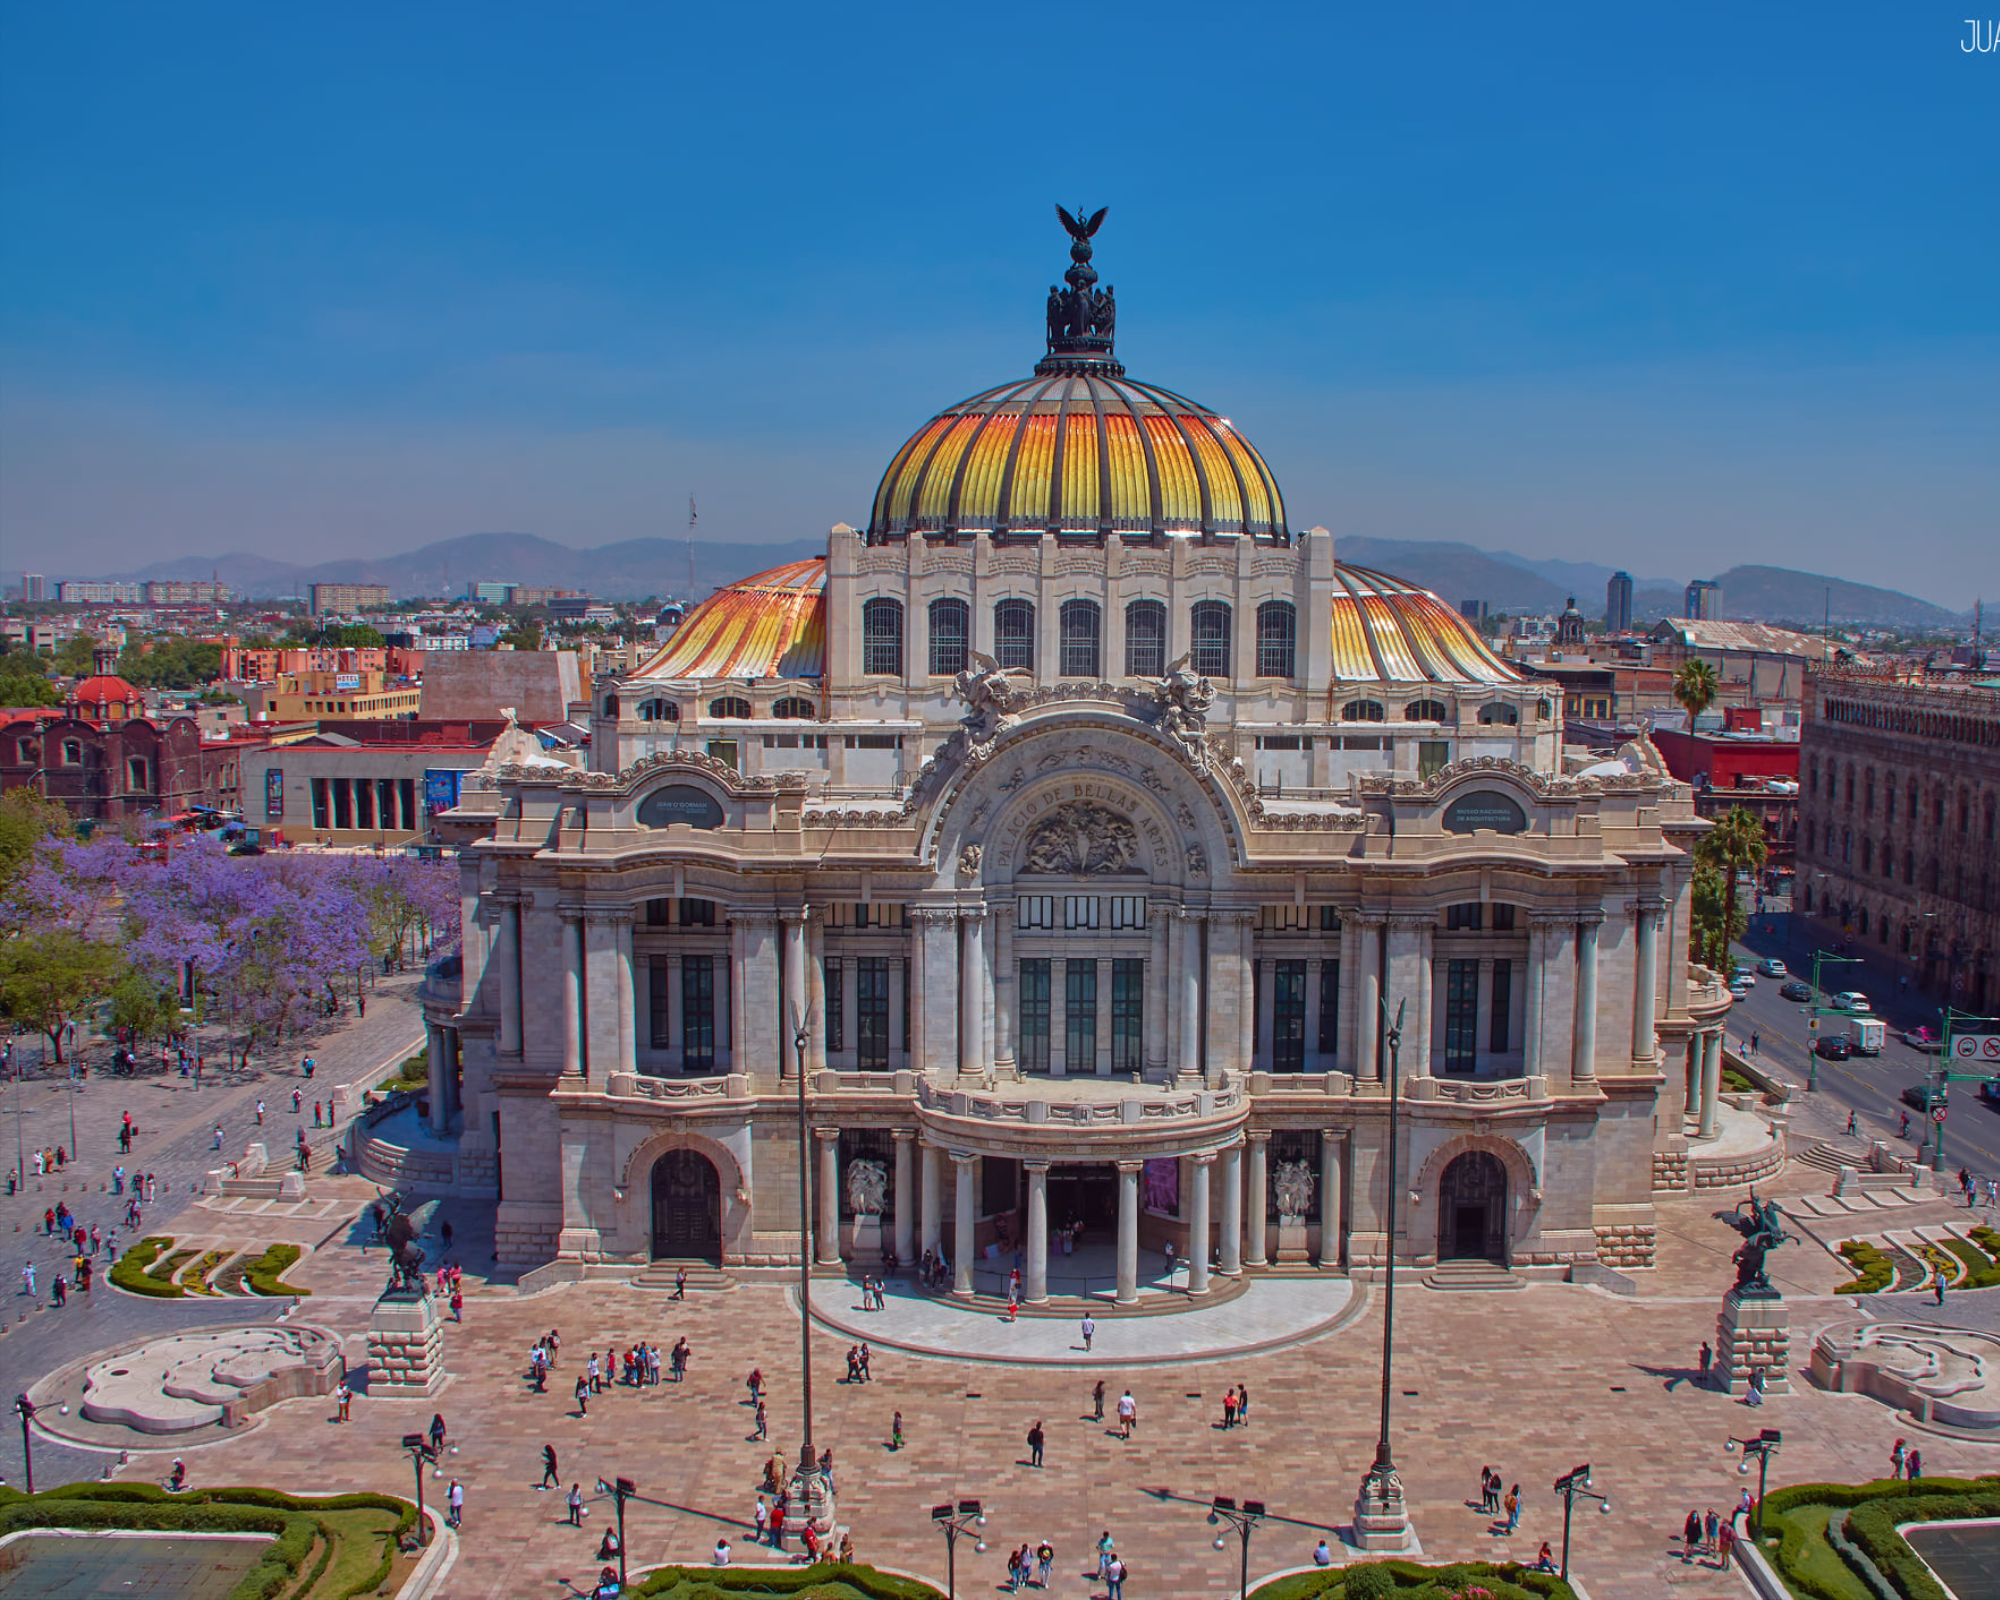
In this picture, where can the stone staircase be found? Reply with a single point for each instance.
(1830, 1155)
(1471, 1275)
(702, 1277)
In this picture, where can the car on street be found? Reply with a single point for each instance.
(1771, 967)
(1989, 1091)
(1834, 1047)
(1852, 1000)
(1923, 1096)
(1745, 977)
(1928, 1040)
(1796, 989)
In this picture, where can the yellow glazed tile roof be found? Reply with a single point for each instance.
(772, 625)
(1388, 631)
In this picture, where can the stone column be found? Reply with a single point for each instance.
(931, 1232)
(1036, 1289)
(1128, 1231)
(1531, 998)
(1583, 1056)
(937, 988)
(1645, 986)
(507, 956)
(440, 1080)
(1153, 1047)
(829, 1196)
(1346, 1039)
(1329, 1202)
(906, 1200)
(816, 989)
(1368, 1024)
(792, 1007)
(1246, 985)
(1223, 970)
(1711, 1081)
(572, 993)
(1198, 1229)
(628, 1016)
(972, 993)
(763, 1045)
(1232, 1211)
(600, 995)
(1426, 995)
(1189, 979)
(1260, 1197)
(1104, 970)
(962, 1247)
(1005, 982)
(739, 951)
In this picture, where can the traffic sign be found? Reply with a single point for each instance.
(1937, 1113)
(1976, 1047)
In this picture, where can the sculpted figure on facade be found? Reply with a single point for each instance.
(968, 861)
(990, 700)
(1183, 697)
(1293, 1183)
(1081, 839)
(867, 1187)
(1197, 861)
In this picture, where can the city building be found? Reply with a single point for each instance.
(581, 608)
(183, 592)
(485, 592)
(536, 686)
(242, 665)
(34, 586)
(342, 599)
(1618, 603)
(99, 592)
(977, 821)
(1897, 848)
(1741, 765)
(1755, 663)
(101, 755)
(1704, 601)
(1474, 611)
(329, 696)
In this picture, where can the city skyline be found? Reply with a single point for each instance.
(1447, 280)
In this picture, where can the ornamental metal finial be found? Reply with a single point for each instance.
(1082, 320)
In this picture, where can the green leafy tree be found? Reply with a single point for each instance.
(173, 663)
(142, 1005)
(1734, 845)
(27, 820)
(76, 655)
(48, 978)
(24, 681)
(1695, 688)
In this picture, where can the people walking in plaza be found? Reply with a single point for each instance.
(1513, 1505)
(1243, 1404)
(1045, 1561)
(437, 1433)
(1089, 1331)
(576, 1505)
(1690, 1537)
(1106, 1548)
(582, 1396)
(896, 1432)
(1915, 1469)
(1725, 1540)
(549, 1467)
(260, 1113)
(1753, 1393)
(456, 1500)
(1036, 1439)
(1229, 1408)
(760, 1516)
(1114, 1579)
(1710, 1522)
(28, 1279)
(1128, 1414)
(1097, 1401)
(1853, 1123)
(680, 1283)
(763, 1422)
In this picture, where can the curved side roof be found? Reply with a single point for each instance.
(1389, 631)
(772, 625)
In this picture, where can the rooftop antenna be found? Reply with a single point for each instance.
(692, 514)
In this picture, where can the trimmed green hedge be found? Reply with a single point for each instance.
(1876, 1509)
(130, 1271)
(143, 1506)
(1873, 1269)
(1981, 1271)
(264, 1273)
(827, 1581)
(1405, 1580)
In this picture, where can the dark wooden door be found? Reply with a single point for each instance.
(687, 1207)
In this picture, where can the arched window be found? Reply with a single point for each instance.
(1014, 635)
(1497, 713)
(72, 752)
(1210, 638)
(951, 636)
(1937, 808)
(1426, 711)
(1543, 710)
(1145, 639)
(1079, 624)
(1913, 799)
(1868, 793)
(611, 706)
(1888, 857)
(1363, 711)
(882, 638)
(1889, 798)
(1812, 776)
(795, 708)
(1850, 783)
(1277, 635)
(1867, 854)
(1909, 866)
(1964, 813)
(1812, 837)
(730, 705)
(1847, 845)
(1989, 817)
(659, 711)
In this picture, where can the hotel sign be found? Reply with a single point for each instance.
(682, 803)
(1487, 808)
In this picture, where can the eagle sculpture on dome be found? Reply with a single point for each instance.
(1081, 231)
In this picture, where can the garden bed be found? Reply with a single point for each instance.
(1406, 1580)
(1800, 1544)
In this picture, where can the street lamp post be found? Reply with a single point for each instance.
(808, 1461)
(1243, 1519)
(620, 1490)
(1763, 1447)
(1822, 958)
(420, 1452)
(1571, 1484)
(1382, 1488)
(953, 1519)
(27, 1409)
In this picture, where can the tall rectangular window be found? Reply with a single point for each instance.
(658, 1000)
(882, 637)
(1277, 625)
(906, 1005)
(1034, 1011)
(1461, 1015)
(1502, 1003)
(343, 803)
(1079, 624)
(951, 625)
(1128, 1009)
(1080, 1016)
(1433, 755)
(871, 1014)
(321, 810)
(836, 1007)
(1288, 1017)
(698, 1013)
(1145, 639)
(1464, 915)
(1014, 635)
(1209, 641)
(1329, 1008)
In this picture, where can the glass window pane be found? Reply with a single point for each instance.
(1276, 630)
(951, 622)
(1210, 638)
(1014, 635)
(1145, 639)
(1034, 1041)
(1080, 1016)
(1079, 623)
(1128, 1002)
(882, 637)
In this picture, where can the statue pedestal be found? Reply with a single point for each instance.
(866, 1247)
(405, 1345)
(1381, 1520)
(1753, 1331)
(811, 1505)
(1292, 1249)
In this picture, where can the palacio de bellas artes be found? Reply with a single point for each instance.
(1094, 842)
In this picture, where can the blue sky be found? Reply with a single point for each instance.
(1670, 289)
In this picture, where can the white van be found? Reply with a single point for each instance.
(1866, 1035)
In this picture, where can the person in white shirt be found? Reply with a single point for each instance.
(721, 1553)
(456, 1499)
(1322, 1556)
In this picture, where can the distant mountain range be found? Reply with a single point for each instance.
(636, 568)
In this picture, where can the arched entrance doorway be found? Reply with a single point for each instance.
(687, 1207)
(1472, 1209)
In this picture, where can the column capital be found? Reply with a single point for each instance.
(933, 916)
(1411, 919)
(1551, 919)
(1190, 913)
(903, 1135)
(1592, 918)
(962, 1158)
(570, 913)
(1257, 1135)
(826, 1135)
(793, 913)
(1204, 1158)
(1649, 905)
(972, 913)
(1365, 916)
(753, 916)
(1131, 1166)
(1038, 1166)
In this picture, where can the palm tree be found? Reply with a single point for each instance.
(1734, 844)
(1695, 687)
